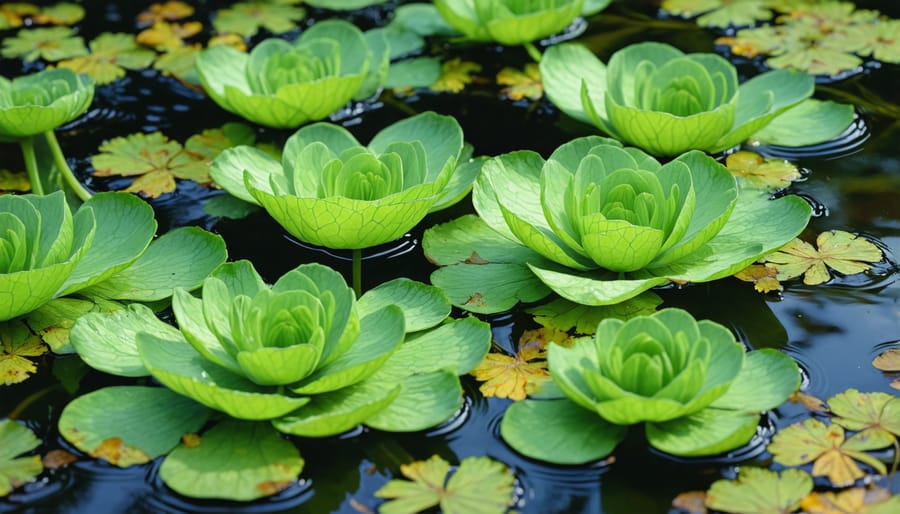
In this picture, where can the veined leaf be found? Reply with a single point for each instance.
(841, 251)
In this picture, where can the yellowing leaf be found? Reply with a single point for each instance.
(760, 491)
(888, 360)
(111, 54)
(167, 36)
(168, 11)
(233, 40)
(15, 440)
(11, 181)
(764, 278)
(246, 18)
(179, 63)
(514, 377)
(455, 75)
(755, 171)
(63, 13)
(867, 412)
(17, 343)
(55, 459)
(832, 454)
(857, 500)
(190, 440)
(841, 251)
(12, 14)
(521, 83)
(118, 453)
(809, 401)
(479, 486)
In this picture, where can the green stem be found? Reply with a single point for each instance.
(357, 272)
(27, 146)
(533, 51)
(60, 160)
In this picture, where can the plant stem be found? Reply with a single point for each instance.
(27, 146)
(533, 51)
(60, 160)
(357, 272)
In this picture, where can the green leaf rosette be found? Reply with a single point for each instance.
(509, 22)
(284, 85)
(691, 382)
(331, 191)
(654, 96)
(601, 223)
(36, 103)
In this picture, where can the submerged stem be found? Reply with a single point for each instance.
(60, 160)
(533, 52)
(357, 272)
(27, 146)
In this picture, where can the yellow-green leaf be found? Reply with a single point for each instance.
(841, 251)
(168, 11)
(51, 44)
(455, 75)
(754, 170)
(111, 54)
(760, 491)
(14, 181)
(764, 278)
(15, 440)
(521, 84)
(858, 500)
(867, 412)
(17, 343)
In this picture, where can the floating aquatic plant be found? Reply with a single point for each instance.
(654, 96)
(598, 224)
(329, 190)
(696, 388)
(282, 84)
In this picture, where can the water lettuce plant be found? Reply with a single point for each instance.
(696, 388)
(656, 97)
(105, 250)
(36, 104)
(511, 22)
(302, 355)
(284, 85)
(598, 224)
(331, 191)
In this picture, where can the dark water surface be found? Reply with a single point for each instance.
(832, 330)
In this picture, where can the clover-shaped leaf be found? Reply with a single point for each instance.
(168, 11)
(515, 376)
(760, 491)
(721, 13)
(867, 412)
(111, 54)
(63, 13)
(764, 278)
(455, 75)
(16, 439)
(833, 455)
(525, 83)
(479, 486)
(51, 44)
(246, 18)
(165, 36)
(859, 500)
(841, 251)
(17, 343)
(754, 170)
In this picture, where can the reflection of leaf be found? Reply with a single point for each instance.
(479, 486)
(859, 500)
(111, 54)
(16, 439)
(167, 36)
(16, 344)
(841, 251)
(868, 412)
(11, 181)
(246, 18)
(51, 44)
(514, 377)
(169, 11)
(755, 171)
(521, 83)
(760, 491)
(565, 315)
(764, 278)
(834, 455)
(455, 74)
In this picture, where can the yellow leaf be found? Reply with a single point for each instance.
(888, 360)
(10, 181)
(168, 11)
(858, 500)
(841, 251)
(764, 278)
(522, 83)
(153, 184)
(809, 401)
(756, 171)
(455, 75)
(190, 440)
(233, 40)
(17, 343)
(514, 377)
(168, 36)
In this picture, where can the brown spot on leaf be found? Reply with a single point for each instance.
(56, 459)
(190, 440)
(476, 259)
(475, 299)
(270, 487)
(114, 450)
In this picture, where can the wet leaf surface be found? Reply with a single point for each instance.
(840, 251)
(55, 459)
(479, 486)
(165, 36)
(17, 344)
(888, 360)
(760, 491)
(756, 171)
(15, 440)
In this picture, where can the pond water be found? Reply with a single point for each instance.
(833, 330)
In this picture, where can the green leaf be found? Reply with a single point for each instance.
(235, 460)
(111, 423)
(180, 258)
(708, 432)
(15, 440)
(766, 380)
(423, 306)
(479, 486)
(561, 314)
(228, 170)
(40, 102)
(754, 171)
(809, 122)
(343, 5)
(51, 44)
(867, 412)
(760, 491)
(566, 69)
(230, 207)
(425, 400)
(246, 18)
(107, 341)
(576, 435)
(593, 288)
(111, 54)
(456, 346)
(53, 320)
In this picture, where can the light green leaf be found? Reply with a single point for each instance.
(566, 69)
(576, 435)
(564, 315)
(760, 491)
(866, 412)
(53, 320)
(235, 460)
(599, 288)
(809, 122)
(766, 380)
(51, 44)
(479, 486)
(111, 423)
(424, 401)
(708, 432)
(228, 169)
(15, 440)
(423, 306)
(111, 54)
(456, 346)
(246, 18)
